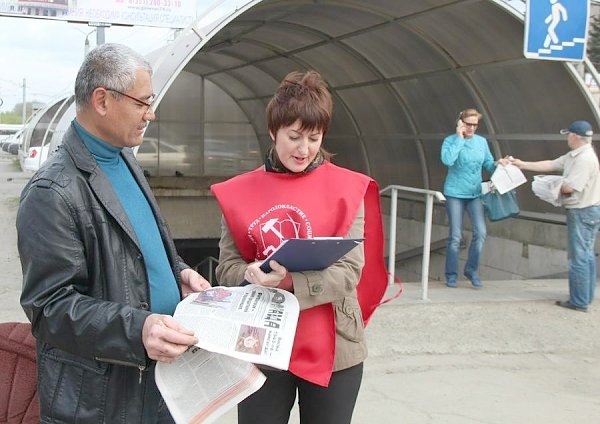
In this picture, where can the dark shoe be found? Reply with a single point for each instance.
(569, 305)
(451, 283)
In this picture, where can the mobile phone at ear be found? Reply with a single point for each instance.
(461, 126)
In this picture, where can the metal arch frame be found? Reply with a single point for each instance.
(196, 38)
(235, 99)
(339, 42)
(304, 65)
(454, 68)
(61, 126)
(395, 94)
(202, 38)
(460, 71)
(292, 56)
(191, 40)
(171, 61)
(35, 119)
(64, 106)
(453, 65)
(238, 100)
(255, 64)
(188, 55)
(389, 20)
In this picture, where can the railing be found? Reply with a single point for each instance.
(429, 196)
(206, 269)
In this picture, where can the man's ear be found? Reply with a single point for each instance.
(99, 101)
(272, 136)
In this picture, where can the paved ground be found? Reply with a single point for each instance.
(504, 354)
(12, 180)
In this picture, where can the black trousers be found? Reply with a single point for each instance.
(272, 403)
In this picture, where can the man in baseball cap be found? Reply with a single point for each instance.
(581, 128)
(580, 195)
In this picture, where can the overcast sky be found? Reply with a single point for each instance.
(48, 53)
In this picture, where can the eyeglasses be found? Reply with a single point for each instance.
(470, 125)
(148, 103)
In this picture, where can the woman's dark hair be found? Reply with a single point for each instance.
(301, 97)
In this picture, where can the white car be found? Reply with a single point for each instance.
(35, 156)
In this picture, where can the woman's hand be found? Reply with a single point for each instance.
(255, 275)
(460, 128)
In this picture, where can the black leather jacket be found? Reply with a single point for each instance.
(85, 289)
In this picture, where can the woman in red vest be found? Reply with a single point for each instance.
(299, 193)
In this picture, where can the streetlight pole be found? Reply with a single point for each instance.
(24, 111)
(100, 39)
(86, 45)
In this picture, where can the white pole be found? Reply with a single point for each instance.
(426, 246)
(392, 238)
(100, 35)
(24, 111)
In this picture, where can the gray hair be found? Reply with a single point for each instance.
(109, 66)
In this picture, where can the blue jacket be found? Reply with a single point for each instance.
(465, 158)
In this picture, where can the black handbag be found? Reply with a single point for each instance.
(500, 206)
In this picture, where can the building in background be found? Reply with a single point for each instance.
(53, 8)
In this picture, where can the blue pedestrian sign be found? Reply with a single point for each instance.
(556, 29)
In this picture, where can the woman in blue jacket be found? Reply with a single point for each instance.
(465, 154)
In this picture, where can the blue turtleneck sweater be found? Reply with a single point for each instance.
(164, 294)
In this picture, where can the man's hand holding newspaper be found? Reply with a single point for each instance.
(236, 327)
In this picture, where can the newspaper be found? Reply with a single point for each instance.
(507, 177)
(547, 188)
(253, 323)
(200, 386)
(236, 328)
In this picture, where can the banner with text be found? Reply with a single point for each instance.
(157, 13)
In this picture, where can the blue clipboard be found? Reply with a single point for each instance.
(310, 254)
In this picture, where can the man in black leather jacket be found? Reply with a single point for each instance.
(101, 276)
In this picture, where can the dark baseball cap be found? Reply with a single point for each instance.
(581, 128)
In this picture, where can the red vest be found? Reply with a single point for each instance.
(261, 208)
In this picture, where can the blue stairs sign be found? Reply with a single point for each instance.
(556, 29)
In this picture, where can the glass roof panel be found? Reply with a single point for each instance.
(397, 51)
(334, 19)
(470, 35)
(375, 109)
(338, 64)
